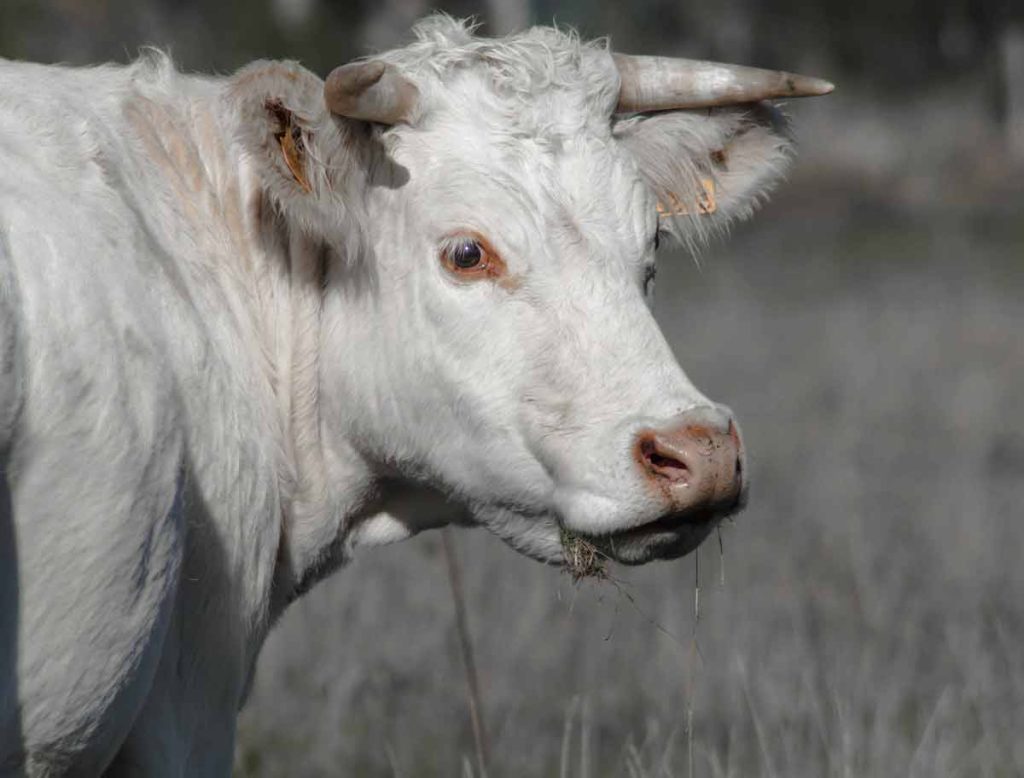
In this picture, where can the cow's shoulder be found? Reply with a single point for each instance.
(97, 430)
(98, 294)
(92, 468)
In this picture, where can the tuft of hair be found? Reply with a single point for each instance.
(521, 65)
(153, 64)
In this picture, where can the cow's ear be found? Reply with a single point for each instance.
(290, 137)
(707, 167)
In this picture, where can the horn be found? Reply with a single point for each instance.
(373, 91)
(665, 83)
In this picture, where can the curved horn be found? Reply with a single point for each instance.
(373, 91)
(665, 83)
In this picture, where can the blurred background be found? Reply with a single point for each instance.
(865, 616)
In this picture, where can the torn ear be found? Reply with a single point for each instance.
(291, 141)
(310, 164)
(295, 147)
(707, 167)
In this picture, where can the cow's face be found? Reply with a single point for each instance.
(492, 336)
(511, 349)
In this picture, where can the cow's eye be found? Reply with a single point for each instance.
(465, 254)
(471, 257)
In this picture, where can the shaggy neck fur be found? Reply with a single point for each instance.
(211, 147)
(332, 498)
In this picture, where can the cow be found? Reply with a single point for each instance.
(251, 325)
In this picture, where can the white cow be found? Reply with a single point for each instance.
(249, 325)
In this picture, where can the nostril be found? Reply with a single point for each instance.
(696, 464)
(661, 461)
(658, 460)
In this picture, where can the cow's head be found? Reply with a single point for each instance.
(493, 210)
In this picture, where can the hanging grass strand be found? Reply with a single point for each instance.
(468, 660)
(721, 556)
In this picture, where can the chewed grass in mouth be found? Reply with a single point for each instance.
(582, 558)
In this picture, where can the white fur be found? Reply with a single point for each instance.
(216, 386)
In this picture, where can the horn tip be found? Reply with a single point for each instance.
(825, 87)
(807, 86)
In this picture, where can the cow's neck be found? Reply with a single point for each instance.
(322, 487)
(334, 502)
(271, 275)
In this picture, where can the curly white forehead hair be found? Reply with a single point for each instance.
(523, 62)
(547, 84)
(523, 73)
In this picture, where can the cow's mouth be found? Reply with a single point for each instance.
(668, 537)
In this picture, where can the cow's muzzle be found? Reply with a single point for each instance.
(695, 464)
(695, 467)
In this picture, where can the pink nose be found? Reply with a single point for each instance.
(696, 464)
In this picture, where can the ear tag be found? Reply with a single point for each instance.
(704, 203)
(294, 152)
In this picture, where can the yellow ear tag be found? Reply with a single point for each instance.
(704, 204)
(294, 152)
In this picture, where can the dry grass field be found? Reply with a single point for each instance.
(867, 615)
